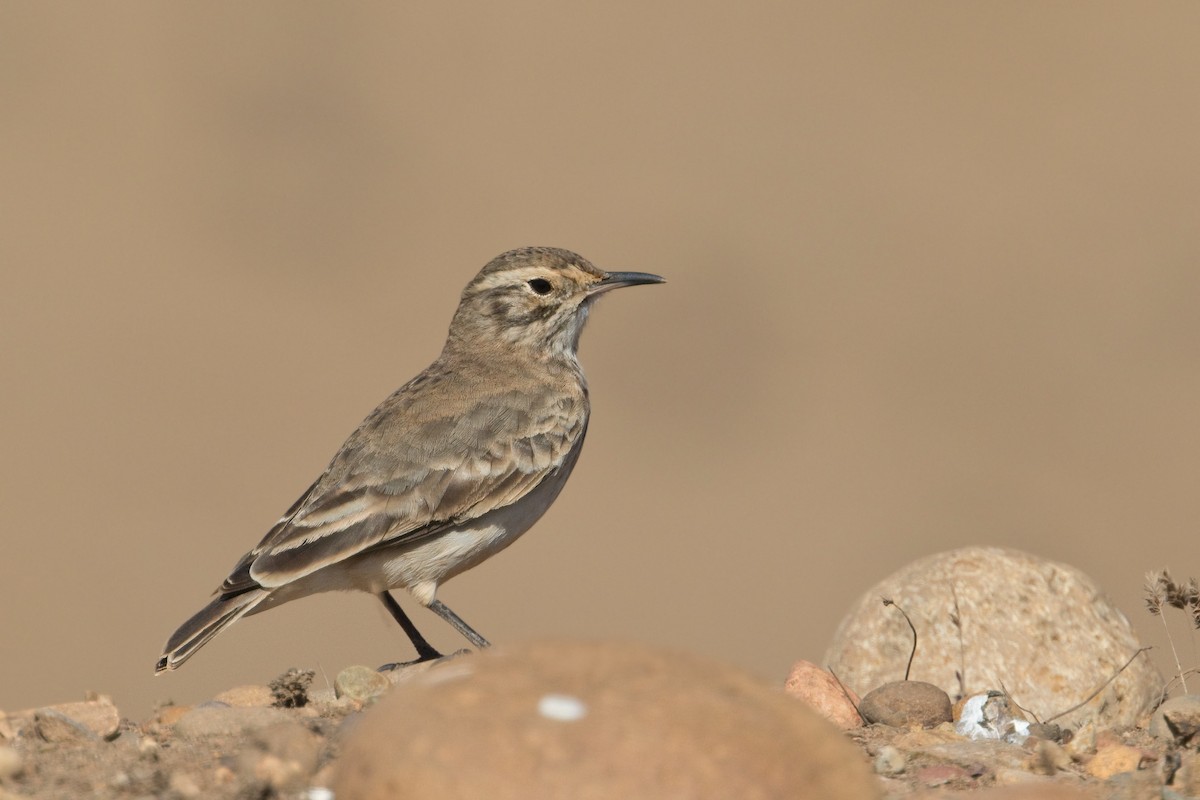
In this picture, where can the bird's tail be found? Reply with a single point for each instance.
(205, 624)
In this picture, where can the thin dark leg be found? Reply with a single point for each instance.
(439, 608)
(425, 651)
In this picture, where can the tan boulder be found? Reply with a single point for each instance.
(1042, 629)
(595, 721)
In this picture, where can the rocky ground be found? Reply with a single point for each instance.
(283, 741)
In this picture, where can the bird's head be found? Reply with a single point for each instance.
(536, 298)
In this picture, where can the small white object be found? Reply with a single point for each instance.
(987, 716)
(562, 707)
(319, 793)
(889, 761)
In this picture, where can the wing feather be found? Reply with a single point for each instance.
(400, 479)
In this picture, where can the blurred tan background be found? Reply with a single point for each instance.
(934, 281)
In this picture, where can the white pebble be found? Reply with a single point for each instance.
(889, 761)
(562, 707)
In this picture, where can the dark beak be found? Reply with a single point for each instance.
(615, 280)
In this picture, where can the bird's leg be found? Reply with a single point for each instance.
(425, 651)
(440, 608)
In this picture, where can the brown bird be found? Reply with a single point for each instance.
(448, 470)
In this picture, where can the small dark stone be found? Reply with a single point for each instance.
(906, 704)
(1045, 730)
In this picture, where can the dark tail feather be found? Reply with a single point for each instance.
(204, 625)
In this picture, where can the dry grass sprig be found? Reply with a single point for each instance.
(956, 620)
(1162, 591)
(1158, 589)
(887, 601)
(846, 692)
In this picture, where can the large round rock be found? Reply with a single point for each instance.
(594, 722)
(1043, 629)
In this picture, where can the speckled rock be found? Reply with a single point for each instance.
(252, 696)
(822, 693)
(1177, 720)
(906, 704)
(95, 718)
(1043, 628)
(360, 683)
(53, 726)
(598, 721)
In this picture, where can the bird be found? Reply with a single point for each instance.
(449, 469)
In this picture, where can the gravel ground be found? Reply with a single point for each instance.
(282, 740)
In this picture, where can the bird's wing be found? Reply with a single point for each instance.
(396, 480)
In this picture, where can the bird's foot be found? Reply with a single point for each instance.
(424, 660)
(402, 664)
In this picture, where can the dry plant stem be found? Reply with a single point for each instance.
(1162, 591)
(846, 692)
(956, 618)
(1100, 688)
(1174, 652)
(1013, 700)
(887, 601)
(1167, 689)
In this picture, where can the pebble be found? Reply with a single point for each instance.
(252, 696)
(821, 691)
(1083, 742)
(889, 761)
(1046, 730)
(169, 715)
(325, 702)
(360, 683)
(83, 720)
(54, 727)
(1113, 759)
(906, 704)
(989, 715)
(941, 774)
(1008, 776)
(1048, 758)
(10, 762)
(1186, 779)
(1177, 720)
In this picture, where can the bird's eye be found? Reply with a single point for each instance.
(540, 286)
